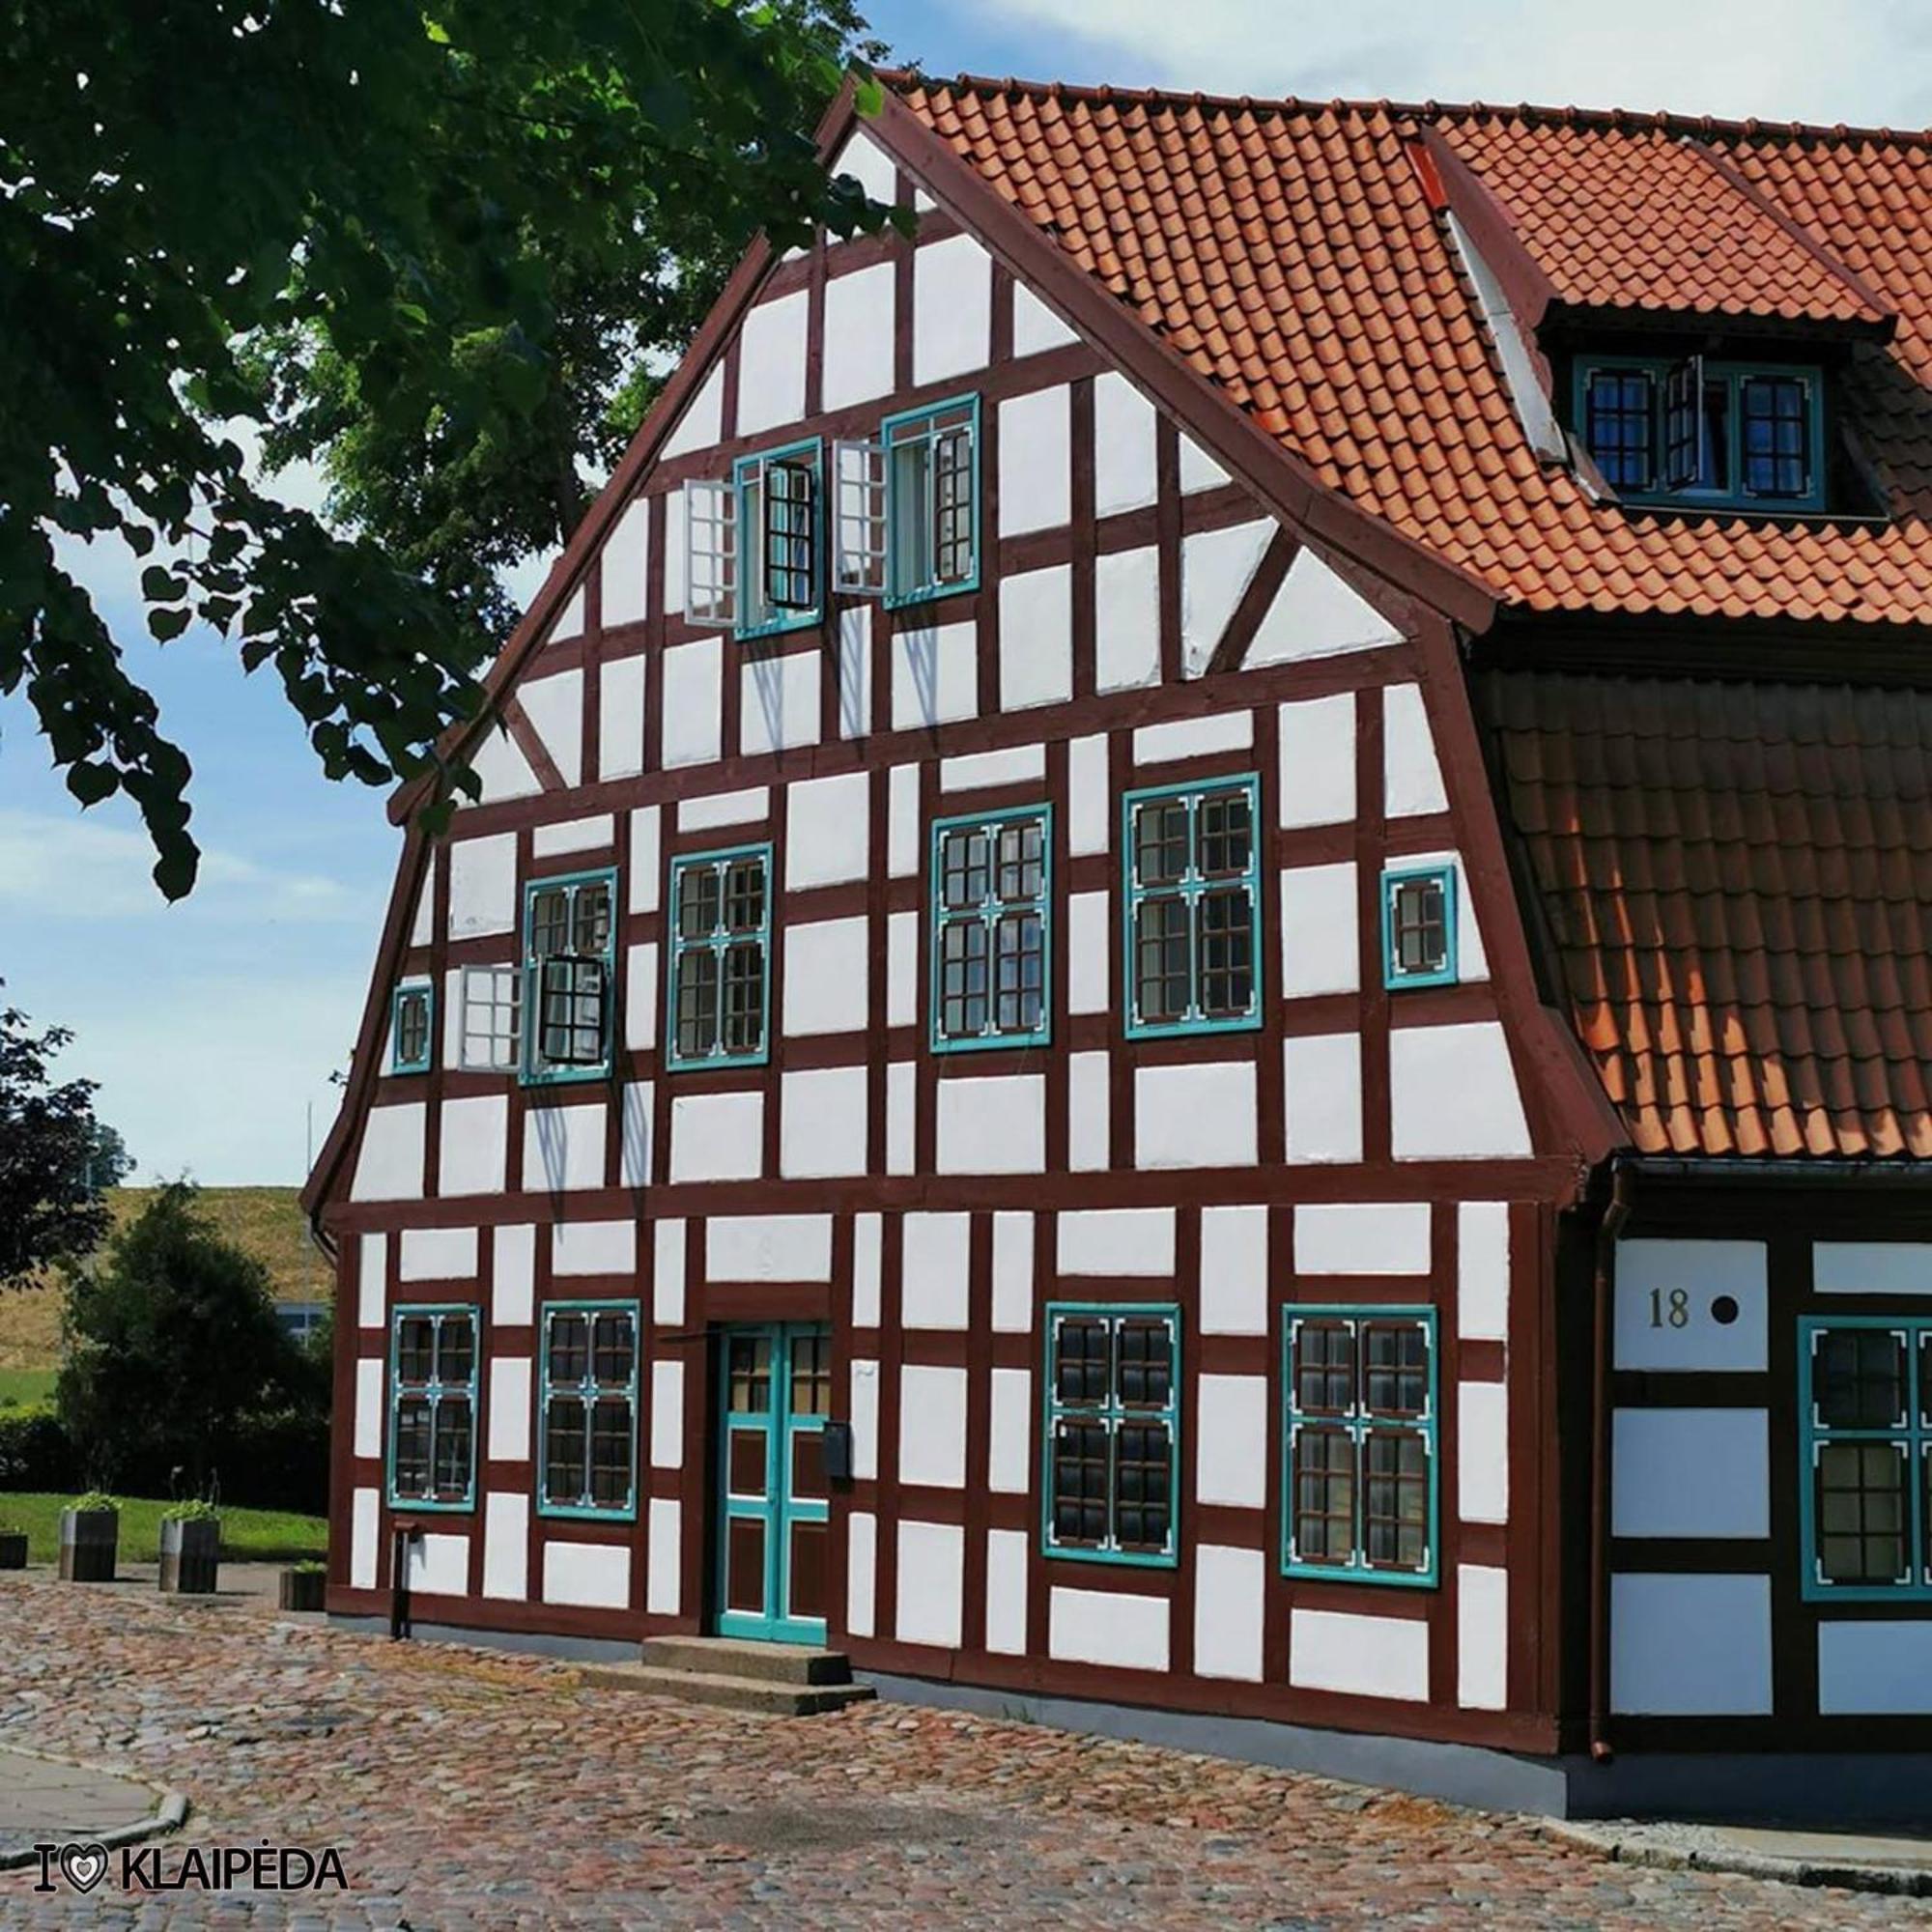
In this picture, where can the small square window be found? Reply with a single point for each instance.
(1419, 926)
(412, 1027)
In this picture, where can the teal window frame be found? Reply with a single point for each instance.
(435, 1390)
(410, 989)
(1448, 880)
(1359, 1423)
(908, 429)
(1192, 888)
(754, 618)
(1913, 1436)
(1735, 375)
(588, 1390)
(717, 942)
(989, 913)
(1111, 1413)
(532, 1069)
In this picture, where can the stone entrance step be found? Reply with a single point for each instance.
(776, 1679)
(742, 1657)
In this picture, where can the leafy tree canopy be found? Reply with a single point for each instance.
(55, 1157)
(441, 249)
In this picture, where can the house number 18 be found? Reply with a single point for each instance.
(1675, 1311)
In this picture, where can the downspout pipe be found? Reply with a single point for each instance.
(1609, 1229)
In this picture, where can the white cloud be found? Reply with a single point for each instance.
(1863, 60)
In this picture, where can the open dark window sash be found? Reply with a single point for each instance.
(790, 493)
(570, 954)
(1683, 467)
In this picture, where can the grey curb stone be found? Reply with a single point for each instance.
(1685, 1849)
(168, 1815)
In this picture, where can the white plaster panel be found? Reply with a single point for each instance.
(935, 674)
(675, 541)
(1482, 1637)
(574, 834)
(1117, 1242)
(701, 423)
(1482, 1271)
(951, 308)
(620, 717)
(1215, 567)
(512, 1275)
(870, 166)
(1228, 1587)
(1690, 1645)
(932, 1427)
(1231, 1441)
(1194, 737)
(501, 768)
(855, 670)
(1198, 470)
(1322, 1087)
(563, 1148)
(771, 365)
(667, 1252)
(1013, 1273)
(862, 1572)
(1412, 776)
(1088, 1118)
(1362, 1238)
(507, 1544)
(474, 1155)
(1195, 1114)
(1703, 1472)
(768, 1247)
(1035, 460)
(901, 968)
(1315, 615)
(646, 838)
(1316, 739)
(822, 1122)
(369, 1371)
(1481, 1455)
(779, 707)
(1233, 1270)
(664, 1556)
(932, 1582)
(1036, 327)
(1871, 1267)
(901, 1115)
(1453, 1093)
(865, 1409)
(1126, 618)
(828, 825)
(592, 1576)
(437, 1254)
(483, 886)
(554, 707)
(1020, 765)
(625, 565)
(1359, 1656)
(389, 1163)
(1090, 953)
(752, 805)
(641, 996)
(1875, 1670)
(995, 1124)
(1090, 817)
(902, 827)
(1124, 446)
(372, 1291)
(692, 702)
(508, 1388)
(1036, 638)
(1006, 1591)
(717, 1136)
(866, 1248)
(666, 1414)
(1320, 931)
(825, 976)
(422, 920)
(933, 1266)
(1009, 1446)
(1651, 1273)
(593, 1247)
(364, 1535)
(438, 1564)
(859, 321)
(1107, 1626)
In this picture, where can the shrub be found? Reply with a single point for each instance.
(194, 1510)
(36, 1453)
(92, 1500)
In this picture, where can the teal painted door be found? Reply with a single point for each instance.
(773, 1579)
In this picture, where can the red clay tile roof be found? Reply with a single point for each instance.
(1289, 251)
(1735, 886)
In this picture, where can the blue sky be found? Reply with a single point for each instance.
(213, 1026)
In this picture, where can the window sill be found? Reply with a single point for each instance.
(1119, 1559)
(1375, 1579)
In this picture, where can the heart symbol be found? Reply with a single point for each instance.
(85, 1866)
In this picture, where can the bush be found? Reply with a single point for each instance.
(36, 1453)
(194, 1511)
(94, 1502)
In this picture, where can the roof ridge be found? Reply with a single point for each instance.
(1616, 119)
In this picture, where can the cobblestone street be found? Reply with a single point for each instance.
(464, 1788)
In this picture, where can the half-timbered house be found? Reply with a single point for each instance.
(1192, 988)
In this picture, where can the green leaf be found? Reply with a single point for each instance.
(91, 784)
(167, 625)
(160, 586)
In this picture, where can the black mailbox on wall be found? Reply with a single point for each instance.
(838, 1452)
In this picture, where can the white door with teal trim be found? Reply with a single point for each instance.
(774, 1538)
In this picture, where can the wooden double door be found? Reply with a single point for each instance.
(774, 1577)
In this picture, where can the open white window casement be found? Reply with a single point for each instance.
(858, 518)
(710, 553)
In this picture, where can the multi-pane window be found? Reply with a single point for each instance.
(1113, 1378)
(411, 1027)
(991, 887)
(721, 957)
(1193, 916)
(434, 1353)
(569, 975)
(1360, 1493)
(589, 1410)
(752, 546)
(1866, 1402)
(490, 1032)
(1704, 432)
(1419, 926)
(908, 505)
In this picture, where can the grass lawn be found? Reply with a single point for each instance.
(24, 1389)
(247, 1536)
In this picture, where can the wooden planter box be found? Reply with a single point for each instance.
(190, 1553)
(303, 1589)
(89, 1541)
(12, 1549)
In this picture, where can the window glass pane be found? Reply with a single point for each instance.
(611, 1434)
(590, 926)
(1858, 1377)
(1324, 1366)
(1144, 1369)
(1323, 1486)
(1863, 1512)
(563, 1449)
(569, 1349)
(1395, 1501)
(415, 1343)
(412, 1446)
(412, 1027)
(550, 921)
(453, 1448)
(1162, 960)
(912, 522)
(1395, 1376)
(745, 895)
(1142, 1480)
(1022, 859)
(1227, 954)
(1079, 1482)
(696, 1004)
(812, 1375)
(744, 1019)
(613, 1347)
(952, 488)
(1226, 834)
(1617, 426)
(699, 896)
(1776, 420)
(1419, 922)
(1160, 841)
(749, 1374)
(455, 1348)
(1082, 1359)
(1021, 957)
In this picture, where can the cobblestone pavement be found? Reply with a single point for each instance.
(468, 1788)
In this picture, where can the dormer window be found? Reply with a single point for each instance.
(1702, 433)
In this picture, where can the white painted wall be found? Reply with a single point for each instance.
(826, 974)
(1232, 1442)
(1321, 930)
(692, 702)
(594, 1576)
(1016, 765)
(507, 1544)
(435, 1254)
(932, 1426)
(717, 1136)
(625, 566)
(705, 813)
(1195, 1114)
(828, 830)
(574, 834)
(1483, 1459)
(1651, 1273)
(953, 308)
(1088, 1129)
(1013, 1273)
(1412, 776)
(1361, 1237)
(666, 1414)
(855, 670)
(646, 831)
(1109, 1627)
(1703, 1472)
(1233, 1270)
(1317, 741)
(1453, 1093)
(369, 1374)
(1006, 1591)
(508, 1394)
(1126, 618)
(1875, 1670)
(1036, 638)
(996, 1124)
(1690, 1645)
(1009, 1446)
(1482, 1637)
(931, 1583)
(822, 1122)
(1036, 327)
(1871, 1267)
(1321, 1090)
(563, 1147)
(772, 1247)
(699, 426)
(865, 1270)
(865, 1419)
(1194, 737)
(389, 1164)
(1090, 953)
(1362, 1656)
(593, 1247)
(554, 707)
(1124, 446)
(664, 1553)
(862, 1572)
(1117, 1242)
(473, 1158)
(859, 330)
(1215, 568)
(1315, 615)
(935, 674)
(934, 1251)
(771, 365)
(901, 1115)
(483, 886)
(637, 1129)
(513, 1275)
(668, 1262)
(501, 770)
(1229, 1590)
(1482, 1271)
(778, 707)
(365, 1509)
(1090, 817)
(1035, 460)
(438, 1564)
(372, 1266)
